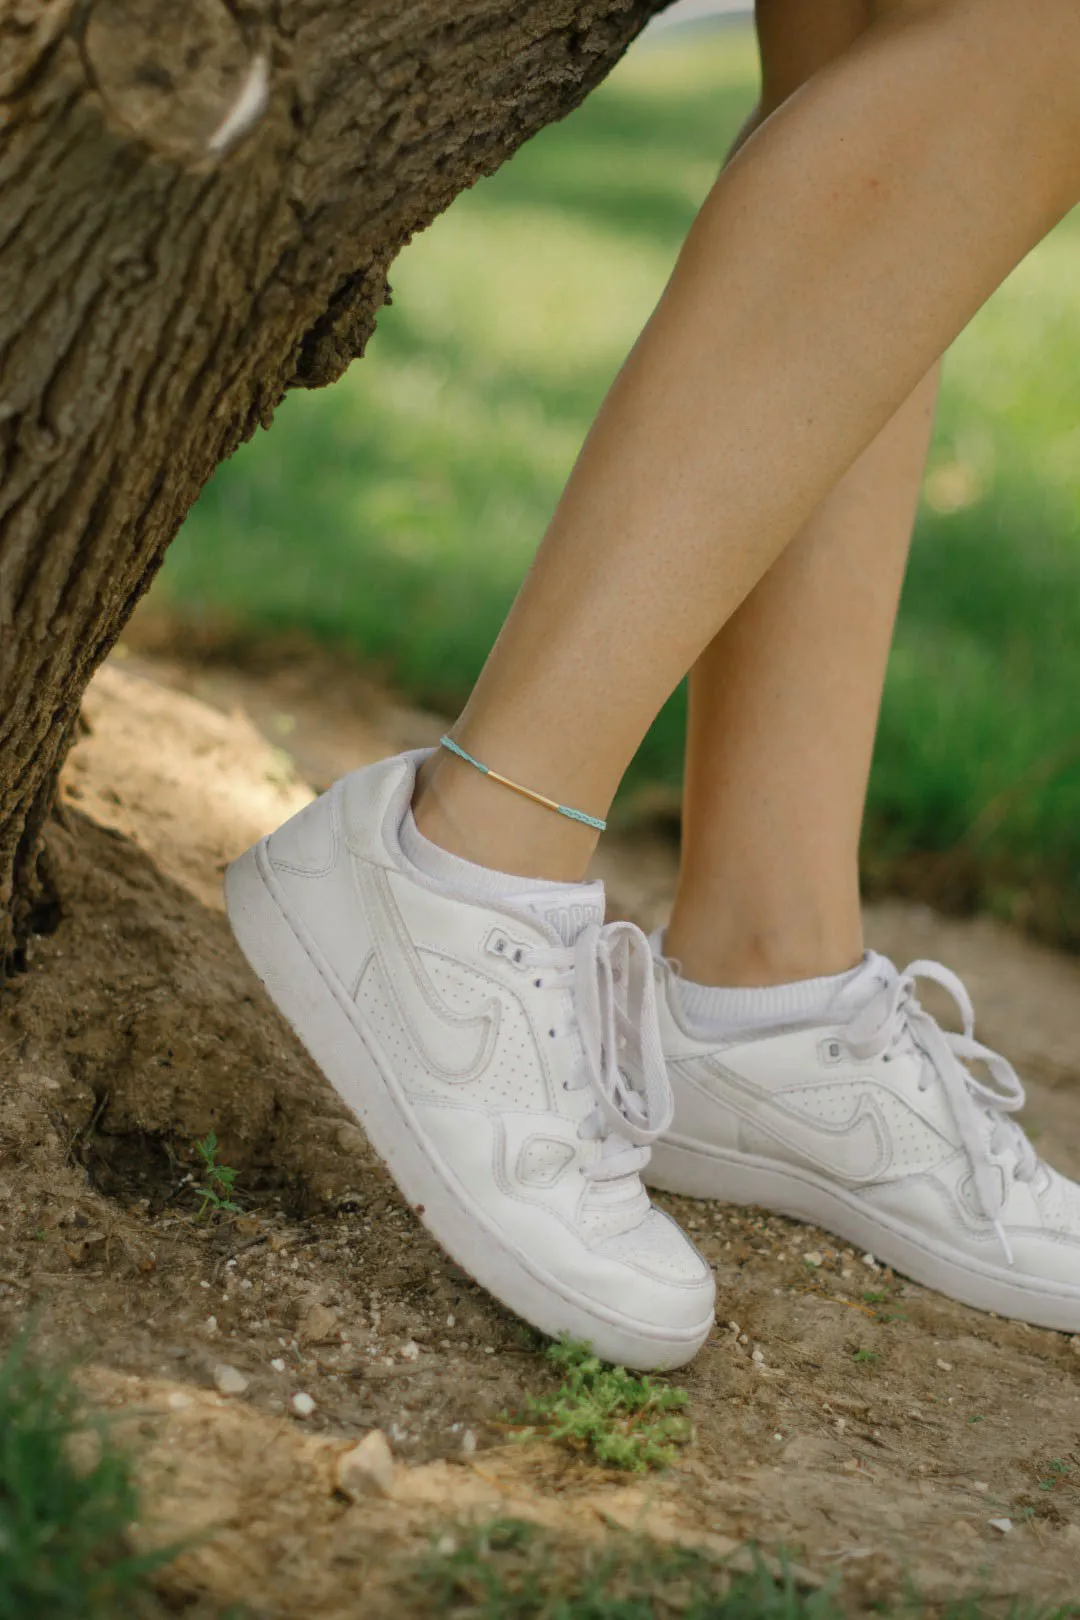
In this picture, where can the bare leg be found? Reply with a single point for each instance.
(784, 702)
(783, 709)
(837, 257)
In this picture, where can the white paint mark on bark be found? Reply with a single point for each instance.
(246, 110)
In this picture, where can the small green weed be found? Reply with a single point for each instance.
(509, 1570)
(67, 1499)
(217, 1194)
(618, 1418)
(1058, 1475)
(867, 1356)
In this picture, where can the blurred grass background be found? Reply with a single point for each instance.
(394, 514)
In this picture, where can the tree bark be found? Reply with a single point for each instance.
(198, 206)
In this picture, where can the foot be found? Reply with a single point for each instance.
(870, 1123)
(482, 1047)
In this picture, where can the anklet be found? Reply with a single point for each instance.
(526, 793)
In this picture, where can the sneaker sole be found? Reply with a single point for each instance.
(302, 987)
(693, 1171)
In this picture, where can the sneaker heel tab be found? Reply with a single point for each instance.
(372, 804)
(307, 843)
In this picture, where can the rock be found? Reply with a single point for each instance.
(1002, 1526)
(302, 1404)
(367, 1469)
(410, 1351)
(468, 1442)
(229, 1380)
(319, 1325)
(176, 1400)
(812, 1258)
(980, 1485)
(278, 1364)
(945, 1366)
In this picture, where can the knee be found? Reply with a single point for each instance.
(1030, 48)
(1016, 68)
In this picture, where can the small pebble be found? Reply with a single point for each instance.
(946, 1366)
(229, 1380)
(869, 1261)
(468, 1442)
(302, 1404)
(1002, 1526)
(278, 1364)
(979, 1485)
(410, 1351)
(757, 1355)
(319, 1325)
(367, 1469)
(812, 1258)
(177, 1400)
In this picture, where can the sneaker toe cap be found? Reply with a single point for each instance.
(671, 1279)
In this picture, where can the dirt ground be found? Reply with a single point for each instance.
(138, 1028)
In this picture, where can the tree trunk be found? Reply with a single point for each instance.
(198, 206)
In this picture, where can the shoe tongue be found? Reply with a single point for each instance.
(566, 910)
(875, 975)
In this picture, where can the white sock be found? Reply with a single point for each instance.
(480, 883)
(717, 1010)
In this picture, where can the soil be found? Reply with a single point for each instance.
(870, 1427)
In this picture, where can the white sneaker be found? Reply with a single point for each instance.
(870, 1124)
(482, 1048)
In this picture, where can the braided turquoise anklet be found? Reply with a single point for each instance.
(526, 793)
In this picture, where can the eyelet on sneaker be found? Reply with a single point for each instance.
(518, 954)
(538, 984)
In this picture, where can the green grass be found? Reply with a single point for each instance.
(67, 1501)
(510, 1570)
(614, 1417)
(396, 513)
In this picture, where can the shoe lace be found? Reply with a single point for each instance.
(614, 1020)
(893, 1019)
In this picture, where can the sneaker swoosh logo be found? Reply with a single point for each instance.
(857, 1149)
(458, 1045)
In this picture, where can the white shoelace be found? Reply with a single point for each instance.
(609, 971)
(893, 1018)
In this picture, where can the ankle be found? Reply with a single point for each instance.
(463, 813)
(756, 959)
